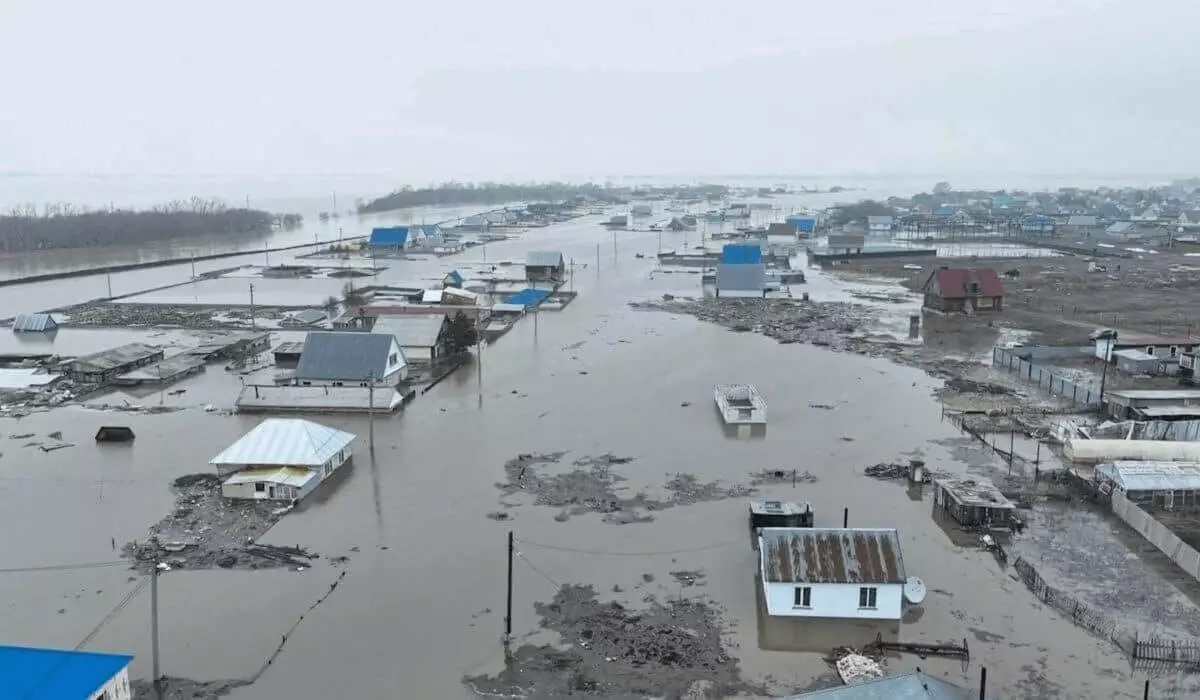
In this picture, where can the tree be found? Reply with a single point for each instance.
(330, 304)
(462, 335)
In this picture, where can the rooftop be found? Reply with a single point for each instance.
(970, 492)
(307, 316)
(952, 282)
(106, 360)
(1156, 394)
(543, 258)
(1152, 476)
(909, 686)
(1081, 220)
(412, 331)
(779, 508)
(351, 355)
(1152, 412)
(21, 378)
(53, 674)
(388, 236)
(286, 442)
(34, 323)
(316, 399)
(831, 555)
(289, 348)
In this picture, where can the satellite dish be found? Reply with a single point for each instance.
(914, 590)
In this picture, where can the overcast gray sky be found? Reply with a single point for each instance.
(558, 88)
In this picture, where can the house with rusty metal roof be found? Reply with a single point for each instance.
(832, 572)
(963, 290)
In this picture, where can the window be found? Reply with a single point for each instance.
(259, 487)
(1149, 349)
(972, 287)
(393, 359)
(867, 597)
(803, 597)
(1174, 350)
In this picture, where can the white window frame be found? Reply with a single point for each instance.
(868, 595)
(804, 594)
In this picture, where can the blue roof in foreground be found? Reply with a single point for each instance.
(56, 674)
(528, 297)
(388, 236)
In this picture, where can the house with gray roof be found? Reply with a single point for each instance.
(422, 337)
(916, 685)
(350, 358)
(544, 266)
(34, 323)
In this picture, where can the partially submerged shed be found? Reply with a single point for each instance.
(974, 503)
(544, 266)
(1164, 485)
(103, 366)
(34, 323)
(114, 433)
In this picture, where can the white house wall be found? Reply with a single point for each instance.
(835, 600)
(116, 689)
(418, 354)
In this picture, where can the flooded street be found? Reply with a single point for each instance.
(421, 604)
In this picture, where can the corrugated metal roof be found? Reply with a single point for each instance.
(412, 331)
(25, 378)
(528, 297)
(543, 258)
(1156, 394)
(288, 476)
(34, 323)
(53, 674)
(389, 236)
(741, 277)
(819, 555)
(1152, 476)
(952, 283)
(308, 316)
(113, 358)
(344, 355)
(741, 254)
(286, 442)
(1080, 220)
(909, 686)
(780, 229)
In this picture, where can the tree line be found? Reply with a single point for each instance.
(455, 193)
(28, 228)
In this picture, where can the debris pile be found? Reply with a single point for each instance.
(665, 650)
(782, 476)
(207, 530)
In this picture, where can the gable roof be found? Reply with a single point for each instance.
(455, 277)
(308, 316)
(51, 674)
(831, 555)
(543, 258)
(780, 229)
(349, 355)
(952, 282)
(1122, 227)
(387, 236)
(412, 331)
(909, 686)
(34, 323)
(1080, 220)
(286, 442)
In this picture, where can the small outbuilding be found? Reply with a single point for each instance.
(1154, 485)
(114, 433)
(282, 459)
(974, 503)
(34, 323)
(832, 572)
(423, 339)
(963, 290)
(545, 266)
(1136, 362)
(303, 317)
(104, 366)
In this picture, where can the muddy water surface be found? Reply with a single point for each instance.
(422, 603)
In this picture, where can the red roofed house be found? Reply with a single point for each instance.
(964, 290)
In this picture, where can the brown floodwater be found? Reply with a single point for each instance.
(422, 603)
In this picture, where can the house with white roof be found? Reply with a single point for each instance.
(282, 459)
(33, 673)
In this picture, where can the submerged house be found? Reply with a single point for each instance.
(741, 272)
(104, 366)
(34, 323)
(388, 239)
(832, 572)
(350, 358)
(282, 459)
(545, 266)
(974, 503)
(963, 290)
(33, 673)
(423, 338)
(303, 317)
(1154, 485)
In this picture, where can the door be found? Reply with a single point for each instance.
(271, 492)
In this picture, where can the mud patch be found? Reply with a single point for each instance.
(184, 689)
(591, 486)
(671, 649)
(782, 476)
(207, 530)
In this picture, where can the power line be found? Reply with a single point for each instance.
(133, 593)
(541, 573)
(660, 553)
(65, 567)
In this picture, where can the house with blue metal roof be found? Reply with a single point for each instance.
(388, 238)
(908, 686)
(33, 673)
(803, 224)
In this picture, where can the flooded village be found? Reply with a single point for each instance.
(680, 443)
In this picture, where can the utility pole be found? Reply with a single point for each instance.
(571, 282)
(508, 599)
(597, 258)
(1104, 374)
(157, 675)
(252, 306)
(108, 281)
(659, 242)
(193, 267)
(614, 245)
(267, 253)
(371, 412)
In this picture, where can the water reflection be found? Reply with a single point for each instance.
(744, 432)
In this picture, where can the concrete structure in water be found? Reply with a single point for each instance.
(350, 358)
(104, 366)
(282, 459)
(32, 673)
(973, 503)
(832, 572)
(963, 290)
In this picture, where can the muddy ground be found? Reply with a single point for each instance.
(207, 530)
(592, 486)
(671, 649)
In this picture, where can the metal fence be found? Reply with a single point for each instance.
(1057, 385)
(1079, 612)
(1157, 534)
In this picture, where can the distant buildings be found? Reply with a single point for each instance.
(963, 290)
(350, 358)
(832, 572)
(32, 673)
(303, 318)
(881, 225)
(282, 459)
